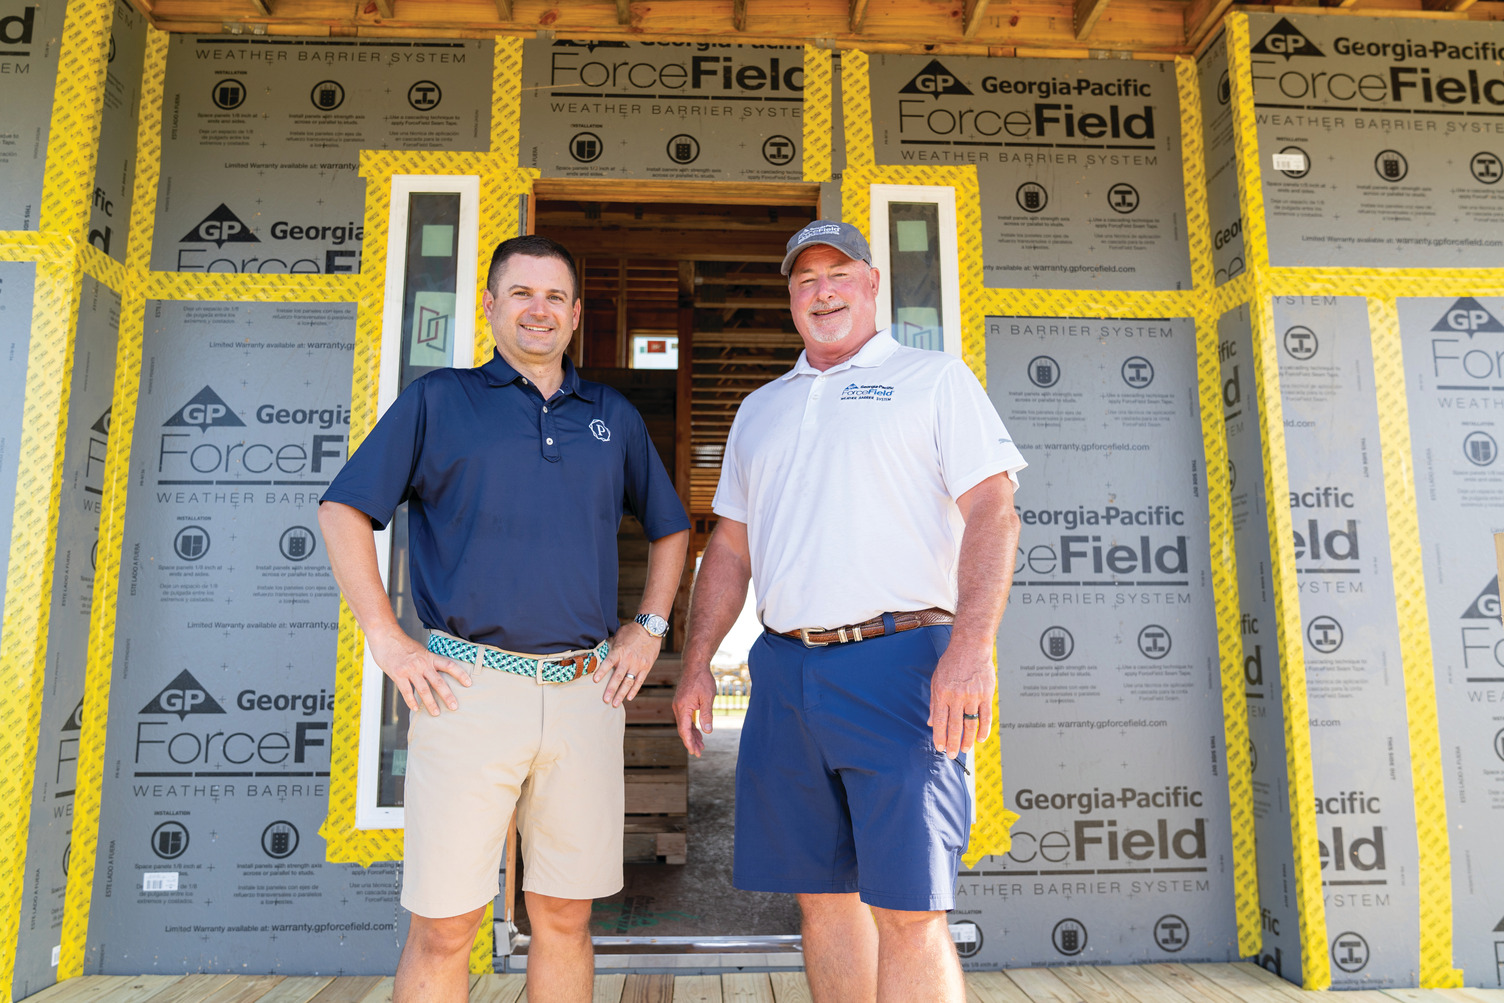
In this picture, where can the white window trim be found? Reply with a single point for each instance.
(368, 814)
(943, 196)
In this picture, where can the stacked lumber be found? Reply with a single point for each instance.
(657, 772)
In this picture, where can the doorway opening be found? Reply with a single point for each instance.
(685, 313)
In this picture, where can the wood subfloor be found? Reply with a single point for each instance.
(1236, 983)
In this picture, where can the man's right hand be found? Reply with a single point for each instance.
(418, 673)
(696, 692)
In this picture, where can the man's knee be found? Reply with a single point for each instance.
(821, 906)
(448, 935)
(560, 917)
(904, 923)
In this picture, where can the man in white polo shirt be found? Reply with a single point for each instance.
(868, 494)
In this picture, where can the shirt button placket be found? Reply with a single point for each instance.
(547, 433)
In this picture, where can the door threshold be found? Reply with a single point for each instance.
(680, 955)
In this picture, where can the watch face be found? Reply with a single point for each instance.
(653, 624)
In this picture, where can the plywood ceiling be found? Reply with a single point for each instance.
(1124, 28)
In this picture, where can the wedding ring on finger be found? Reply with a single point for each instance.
(971, 717)
(631, 676)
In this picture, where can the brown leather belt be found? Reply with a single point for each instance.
(818, 637)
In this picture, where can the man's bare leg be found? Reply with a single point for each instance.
(840, 949)
(916, 958)
(560, 962)
(435, 964)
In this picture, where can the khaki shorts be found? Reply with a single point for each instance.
(553, 751)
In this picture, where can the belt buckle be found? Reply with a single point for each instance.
(804, 633)
(538, 665)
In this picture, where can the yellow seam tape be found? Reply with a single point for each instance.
(72, 151)
(98, 668)
(506, 100)
(1435, 881)
(856, 116)
(1315, 962)
(482, 961)
(343, 842)
(1219, 511)
(28, 585)
(77, 103)
(817, 113)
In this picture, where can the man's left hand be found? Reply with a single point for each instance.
(963, 684)
(627, 664)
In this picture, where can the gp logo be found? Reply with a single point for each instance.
(183, 696)
(1284, 39)
(1467, 316)
(935, 80)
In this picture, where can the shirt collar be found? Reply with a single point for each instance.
(877, 350)
(499, 372)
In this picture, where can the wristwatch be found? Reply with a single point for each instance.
(652, 623)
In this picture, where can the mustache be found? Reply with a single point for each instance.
(825, 306)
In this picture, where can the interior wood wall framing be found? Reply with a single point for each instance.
(1142, 28)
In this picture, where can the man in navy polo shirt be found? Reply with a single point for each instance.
(868, 494)
(516, 476)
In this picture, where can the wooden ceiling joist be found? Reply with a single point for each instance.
(739, 14)
(623, 11)
(972, 19)
(858, 16)
(1200, 17)
(263, 7)
(504, 9)
(386, 8)
(1084, 16)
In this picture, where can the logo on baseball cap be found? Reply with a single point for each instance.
(842, 236)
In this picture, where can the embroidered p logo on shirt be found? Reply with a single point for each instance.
(599, 430)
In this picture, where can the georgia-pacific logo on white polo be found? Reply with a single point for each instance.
(599, 430)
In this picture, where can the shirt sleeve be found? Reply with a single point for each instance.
(379, 475)
(651, 497)
(972, 441)
(731, 493)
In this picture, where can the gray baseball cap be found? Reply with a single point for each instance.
(842, 236)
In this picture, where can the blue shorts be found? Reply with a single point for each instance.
(838, 785)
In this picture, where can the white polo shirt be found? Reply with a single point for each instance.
(847, 481)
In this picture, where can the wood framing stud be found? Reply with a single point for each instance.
(386, 8)
(858, 16)
(1455, 6)
(974, 9)
(623, 11)
(739, 14)
(263, 7)
(1085, 16)
(504, 9)
(1200, 17)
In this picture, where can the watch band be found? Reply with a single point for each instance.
(652, 623)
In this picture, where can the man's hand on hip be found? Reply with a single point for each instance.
(696, 692)
(961, 693)
(627, 664)
(418, 673)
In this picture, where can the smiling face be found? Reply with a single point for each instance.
(533, 310)
(833, 297)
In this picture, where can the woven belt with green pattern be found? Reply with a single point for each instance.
(563, 667)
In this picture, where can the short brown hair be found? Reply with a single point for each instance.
(533, 246)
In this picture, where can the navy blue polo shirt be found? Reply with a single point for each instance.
(514, 502)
